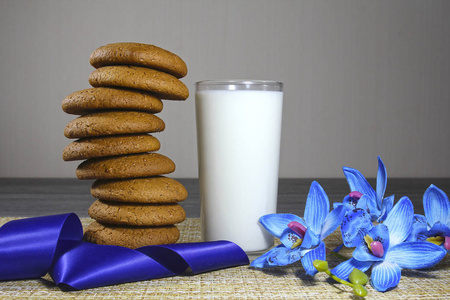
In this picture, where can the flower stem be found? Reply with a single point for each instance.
(328, 272)
(339, 255)
(357, 278)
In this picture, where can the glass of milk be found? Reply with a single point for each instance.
(238, 135)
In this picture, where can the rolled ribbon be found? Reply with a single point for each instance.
(33, 247)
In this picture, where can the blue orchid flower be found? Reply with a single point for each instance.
(434, 227)
(301, 239)
(368, 199)
(382, 247)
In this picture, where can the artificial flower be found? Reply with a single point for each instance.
(434, 227)
(301, 239)
(382, 247)
(373, 201)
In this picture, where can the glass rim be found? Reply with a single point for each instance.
(237, 84)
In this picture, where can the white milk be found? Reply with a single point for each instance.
(238, 136)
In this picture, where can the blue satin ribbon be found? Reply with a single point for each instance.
(33, 247)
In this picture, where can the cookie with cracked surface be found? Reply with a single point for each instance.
(128, 166)
(139, 54)
(133, 214)
(87, 148)
(162, 84)
(94, 99)
(130, 236)
(159, 189)
(113, 123)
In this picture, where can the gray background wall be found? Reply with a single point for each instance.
(362, 78)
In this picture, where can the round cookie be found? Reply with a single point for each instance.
(137, 54)
(113, 123)
(130, 166)
(162, 84)
(136, 214)
(129, 236)
(102, 98)
(87, 148)
(158, 189)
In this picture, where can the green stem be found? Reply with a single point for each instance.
(339, 255)
(339, 279)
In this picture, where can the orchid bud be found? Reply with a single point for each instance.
(320, 265)
(358, 277)
(359, 290)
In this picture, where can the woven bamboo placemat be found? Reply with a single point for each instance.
(240, 282)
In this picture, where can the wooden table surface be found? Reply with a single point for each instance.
(25, 197)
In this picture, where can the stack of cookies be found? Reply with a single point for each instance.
(136, 204)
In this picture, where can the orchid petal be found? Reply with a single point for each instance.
(344, 269)
(289, 237)
(278, 256)
(355, 226)
(385, 275)
(381, 233)
(337, 204)
(307, 260)
(418, 229)
(364, 203)
(381, 181)
(358, 182)
(362, 253)
(415, 255)
(386, 207)
(369, 205)
(439, 229)
(399, 221)
(317, 207)
(332, 221)
(277, 223)
(310, 240)
(350, 202)
(436, 205)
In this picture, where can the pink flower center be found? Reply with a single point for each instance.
(447, 243)
(297, 228)
(377, 249)
(355, 195)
